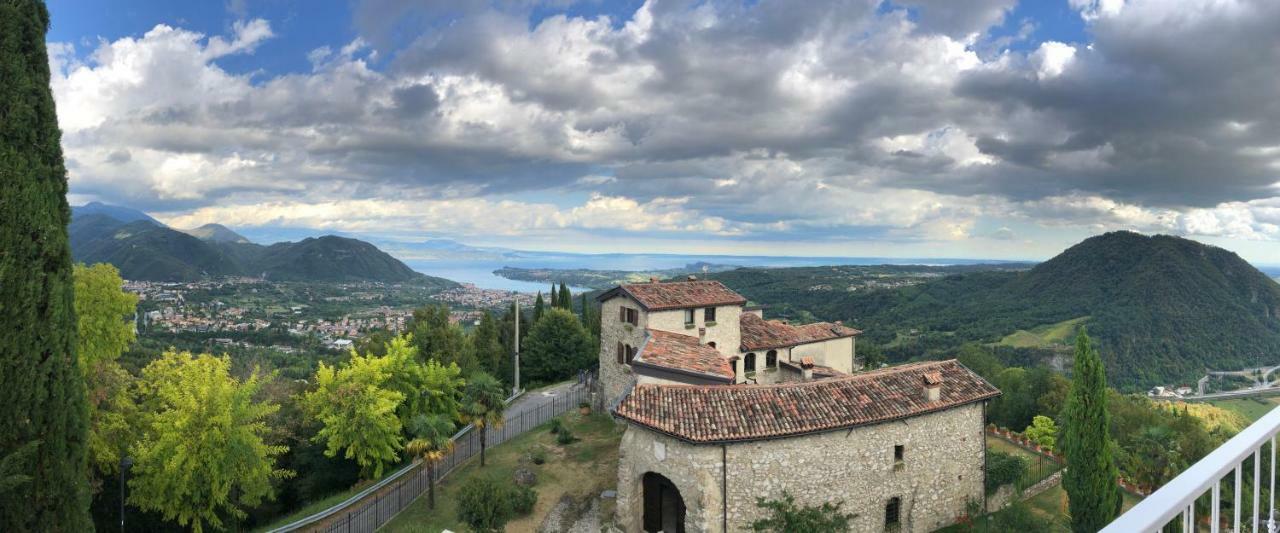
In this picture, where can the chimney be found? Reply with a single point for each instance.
(702, 335)
(693, 277)
(806, 369)
(653, 280)
(932, 386)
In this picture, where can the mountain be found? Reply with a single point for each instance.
(123, 214)
(146, 250)
(1161, 309)
(215, 233)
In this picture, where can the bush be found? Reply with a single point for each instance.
(556, 425)
(1003, 469)
(537, 455)
(484, 505)
(523, 499)
(584, 405)
(785, 516)
(565, 436)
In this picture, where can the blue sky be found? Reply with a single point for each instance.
(958, 128)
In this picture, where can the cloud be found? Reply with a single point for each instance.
(766, 120)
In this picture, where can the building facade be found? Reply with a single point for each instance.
(723, 407)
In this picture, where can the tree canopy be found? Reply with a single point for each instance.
(557, 347)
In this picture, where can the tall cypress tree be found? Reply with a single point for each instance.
(538, 306)
(555, 296)
(566, 298)
(41, 391)
(1090, 478)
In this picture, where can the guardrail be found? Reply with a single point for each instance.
(378, 504)
(1177, 498)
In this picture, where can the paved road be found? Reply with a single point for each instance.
(532, 400)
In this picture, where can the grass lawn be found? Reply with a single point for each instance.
(996, 444)
(1051, 505)
(1044, 336)
(581, 469)
(1250, 408)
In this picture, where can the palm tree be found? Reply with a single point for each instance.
(432, 442)
(483, 405)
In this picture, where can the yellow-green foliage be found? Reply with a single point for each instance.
(202, 456)
(1214, 418)
(104, 331)
(358, 412)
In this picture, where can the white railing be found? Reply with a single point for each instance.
(1177, 498)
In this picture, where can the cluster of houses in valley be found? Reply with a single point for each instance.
(723, 406)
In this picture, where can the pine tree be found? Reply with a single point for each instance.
(566, 298)
(538, 306)
(42, 395)
(1090, 478)
(488, 347)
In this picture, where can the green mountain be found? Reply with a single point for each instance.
(215, 233)
(1162, 309)
(144, 250)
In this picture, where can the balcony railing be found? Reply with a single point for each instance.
(1175, 502)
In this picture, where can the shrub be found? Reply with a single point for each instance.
(785, 516)
(537, 455)
(565, 436)
(584, 405)
(1003, 469)
(523, 499)
(484, 505)
(556, 425)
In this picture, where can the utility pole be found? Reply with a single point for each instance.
(515, 389)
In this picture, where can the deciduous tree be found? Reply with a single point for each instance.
(557, 347)
(104, 331)
(42, 396)
(358, 412)
(202, 455)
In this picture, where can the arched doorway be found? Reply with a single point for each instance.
(663, 506)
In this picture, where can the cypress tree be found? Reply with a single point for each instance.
(555, 296)
(41, 391)
(538, 306)
(1090, 478)
(566, 298)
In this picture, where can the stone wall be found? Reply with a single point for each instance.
(615, 377)
(726, 331)
(941, 471)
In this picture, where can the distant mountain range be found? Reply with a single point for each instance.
(1161, 309)
(145, 249)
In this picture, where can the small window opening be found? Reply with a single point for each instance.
(892, 512)
(709, 314)
(688, 317)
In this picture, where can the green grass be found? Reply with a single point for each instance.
(327, 502)
(581, 469)
(1000, 445)
(1051, 506)
(1061, 333)
(1250, 408)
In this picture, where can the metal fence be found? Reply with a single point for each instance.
(377, 505)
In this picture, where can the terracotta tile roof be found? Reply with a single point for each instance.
(819, 371)
(727, 413)
(677, 294)
(761, 334)
(682, 353)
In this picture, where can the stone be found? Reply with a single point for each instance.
(525, 477)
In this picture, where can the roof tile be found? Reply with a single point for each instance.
(683, 353)
(679, 294)
(761, 334)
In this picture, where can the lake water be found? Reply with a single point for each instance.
(480, 271)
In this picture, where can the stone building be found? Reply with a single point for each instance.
(707, 433)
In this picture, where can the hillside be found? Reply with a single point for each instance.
(146, 250)
(215, 233)
(1162, 309)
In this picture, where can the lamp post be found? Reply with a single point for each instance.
(515, 389)
(125, 463)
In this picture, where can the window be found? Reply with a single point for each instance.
(622, 354)
(892, 520)
(749, 363)
(771, 359)
(631, 353)
(629, 315)
(709, 314)
(712, 344)
(898, 452)
(688, 317)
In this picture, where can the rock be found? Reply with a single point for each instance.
(525, 477)
(609, 494)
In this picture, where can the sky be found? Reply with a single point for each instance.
(991, 129)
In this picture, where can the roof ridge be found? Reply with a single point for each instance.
(861, 376)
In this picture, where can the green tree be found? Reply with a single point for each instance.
(557, 347)
(202, 456)
(41, 392)
(555, 296)
(538, 308)
(104, 331)
(437, 339)
(1090, 478)
(487, 344)
(484, 402)
(358, 413)
(432, 442)
(566, 298)
(485, 505)
(1043, 431)
(441, 389)
(785, 516)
